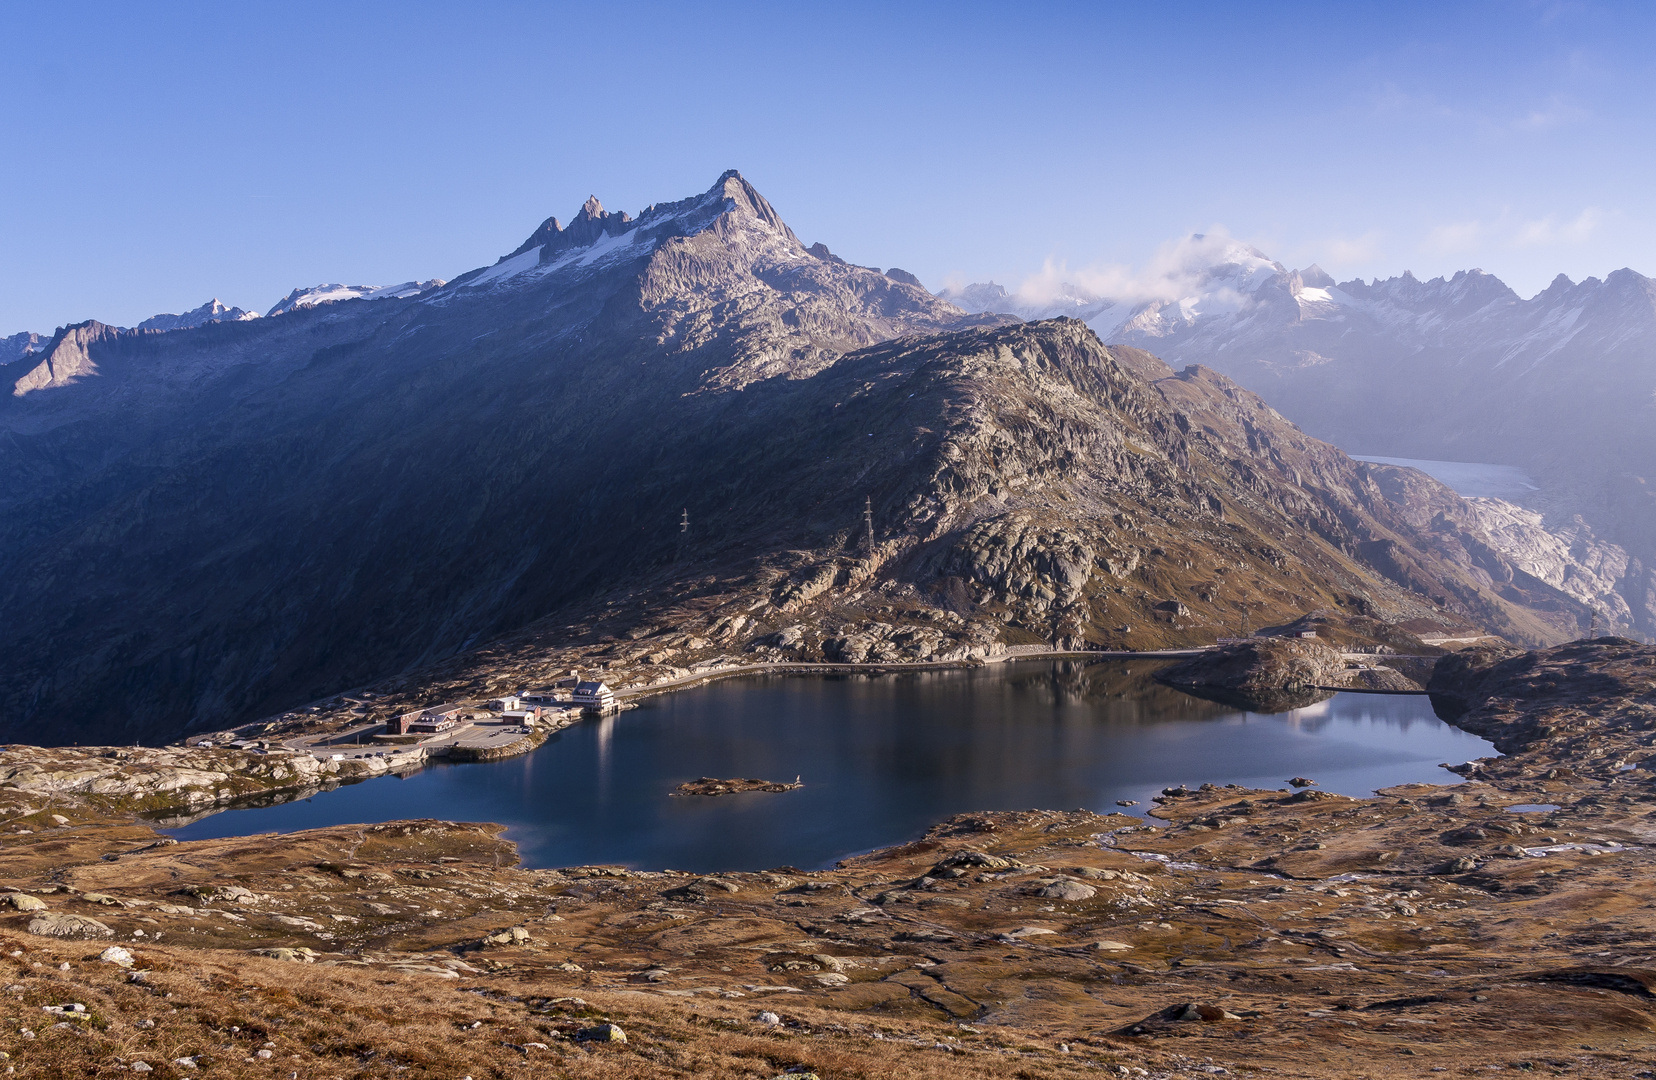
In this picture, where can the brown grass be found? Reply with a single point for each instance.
(340, 1021)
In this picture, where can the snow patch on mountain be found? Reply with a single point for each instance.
(210, 312)
(331, 294)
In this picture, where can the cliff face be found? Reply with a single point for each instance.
(216, 523)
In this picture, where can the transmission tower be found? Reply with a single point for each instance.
(868, 520)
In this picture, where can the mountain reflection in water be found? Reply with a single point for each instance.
(882, 757)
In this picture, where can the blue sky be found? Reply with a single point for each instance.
(161, 154)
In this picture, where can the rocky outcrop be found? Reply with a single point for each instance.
(60, 924)
(1381, 678)
(170, 777)
(67, 359)
(709, 786)
(1566, 555)
(1262, 674)
(1590, 703)
(1457, 684)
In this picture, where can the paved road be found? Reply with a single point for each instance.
(896, 665)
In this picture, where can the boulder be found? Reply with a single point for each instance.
(961, 861)
(57, 924)
(1064, 889)
(517, 935)
(117, 956)
(24, 902)
(603, 1033)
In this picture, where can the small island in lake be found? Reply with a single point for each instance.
(707, 785)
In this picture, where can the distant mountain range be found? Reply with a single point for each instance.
(667, 435)
(19, 346)
(1561, 385)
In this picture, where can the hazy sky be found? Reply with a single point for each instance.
(161, 154)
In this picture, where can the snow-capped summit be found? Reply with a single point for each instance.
(596, 236)
(211, 311)
(329, 294)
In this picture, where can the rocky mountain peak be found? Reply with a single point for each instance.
(730, 194)
(212, 311)
(1316, 277)
(67, 359)
(744, 197)
(18, 346)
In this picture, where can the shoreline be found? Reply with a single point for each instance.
(808, 667)
(416, 760)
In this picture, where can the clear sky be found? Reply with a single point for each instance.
(160, 154)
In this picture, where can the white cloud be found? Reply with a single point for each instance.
(1554, 114)
(1548, 232)
(1175, 271)
(1350, 250)
(1454, 237)
(1507, 231)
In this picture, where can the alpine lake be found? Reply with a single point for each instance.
(882, 757)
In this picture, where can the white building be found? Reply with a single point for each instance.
(594, 695)
(508, 703)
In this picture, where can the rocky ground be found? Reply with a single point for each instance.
(1283, 933)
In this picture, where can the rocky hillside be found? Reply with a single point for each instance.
(210, 524)
(1459, 368)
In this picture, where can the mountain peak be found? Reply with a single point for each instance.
(211, 311)
(1316, 277)
(730, 193)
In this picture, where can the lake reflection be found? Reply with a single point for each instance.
(882, 757)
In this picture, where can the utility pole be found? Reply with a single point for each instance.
(868, 520)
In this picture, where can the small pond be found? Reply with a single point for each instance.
(882, 758)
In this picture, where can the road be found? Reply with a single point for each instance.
(905, 665)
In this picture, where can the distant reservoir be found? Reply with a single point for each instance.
(1468, 479)
(882, 757)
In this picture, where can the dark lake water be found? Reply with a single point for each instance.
(882, 757)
